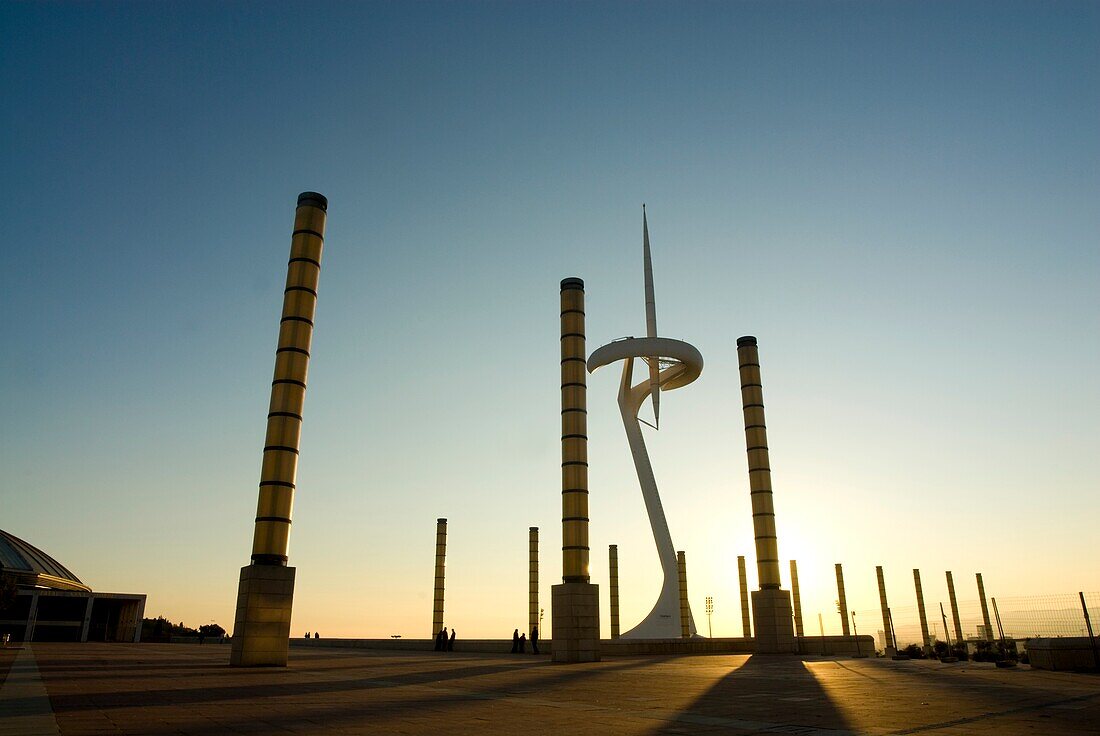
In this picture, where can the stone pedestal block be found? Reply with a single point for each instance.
(261, 628)
(575, 616)
(773, 621)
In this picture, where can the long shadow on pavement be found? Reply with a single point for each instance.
(767, 694)
(332, 713)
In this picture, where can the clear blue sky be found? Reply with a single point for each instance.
(898, 199)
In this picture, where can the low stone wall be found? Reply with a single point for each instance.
(698, 645)
(837, 645)
(828, 645)
(1068, 653)
(486, 646)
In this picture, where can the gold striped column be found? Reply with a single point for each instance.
(533, 580)
(743, 580)
(261, 627)
(925, 638)
(685, 610)
(613, 564)
(796, 600)
(841, 601)
(575, 603)
(760, 478)
(985, 609)
(886, 628)
(954, 608)
(772, 614)
(440, 575)
(288, 388)
(574, 435)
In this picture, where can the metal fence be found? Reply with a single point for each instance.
(1022, 617)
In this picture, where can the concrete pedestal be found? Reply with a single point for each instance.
(575, 616)
(773, 621)
(261, 629)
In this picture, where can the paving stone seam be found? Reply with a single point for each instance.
(24, 703)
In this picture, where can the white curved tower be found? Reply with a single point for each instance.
(671, 364)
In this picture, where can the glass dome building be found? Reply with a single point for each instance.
(53, 604)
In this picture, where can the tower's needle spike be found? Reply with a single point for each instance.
(651, 323)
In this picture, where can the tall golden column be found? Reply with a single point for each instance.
(613, 581)
(261, 628)
(685, 609)
(772, 616)
(575, 604)
(533, 580)
(743, 581)
(891, 645)
(985, 609)
(574, 435)
(440, 575)
(925, 638)
(841, 601)
(954, 608)
(796, 600)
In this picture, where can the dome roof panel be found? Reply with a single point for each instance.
(34, 566)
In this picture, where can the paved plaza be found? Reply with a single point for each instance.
(190, 689)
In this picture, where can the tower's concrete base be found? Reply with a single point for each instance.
(575, 616)
(773, 621)
(261, 629)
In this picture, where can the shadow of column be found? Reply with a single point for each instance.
(768, 693)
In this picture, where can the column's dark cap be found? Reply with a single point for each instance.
(572, 283)
(442, 521)
(746, 340)
(534, 528)
(313, 199)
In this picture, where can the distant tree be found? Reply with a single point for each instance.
(211, 630)
(913, 651)
(161, 629)
(8, 591)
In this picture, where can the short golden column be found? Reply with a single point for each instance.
(796, 600)
(954, 608)
(261, 629)
(772, 615)
(743, 583)
(685, 609)
(533, 579)
(440, 575)
(841, 601)
(926, 640)
(575, 603)
(613, 582)
(891, 645)
(985, 609)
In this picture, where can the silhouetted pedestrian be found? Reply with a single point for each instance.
(307, 634)
(534, 640)
(515, 641)
(451, 643)
(523, 643)
(316, 635)
(439, 641)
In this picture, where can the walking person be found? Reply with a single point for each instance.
(439, 641)
(451, 643)
(523, 643)
(515, 641)
(534, 640)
